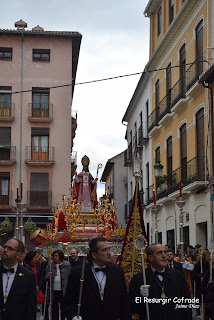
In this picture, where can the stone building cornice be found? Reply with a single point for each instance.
(151, 7)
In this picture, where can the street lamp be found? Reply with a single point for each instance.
(158, 168)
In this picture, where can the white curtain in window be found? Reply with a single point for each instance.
(35, 144)
(44, 143)
(4, 187)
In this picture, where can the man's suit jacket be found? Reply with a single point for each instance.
(21, 302)
(175, 285)
(115, 304)
(76, 263)
(177, 266)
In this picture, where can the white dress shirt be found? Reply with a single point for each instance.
(159, 276)
(100, 277)
(7, 279)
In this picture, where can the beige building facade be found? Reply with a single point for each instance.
(181, 49)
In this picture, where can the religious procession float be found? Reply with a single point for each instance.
(80, 218)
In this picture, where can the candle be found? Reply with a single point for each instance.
(180, 189)
(21, 191)
(154, 197)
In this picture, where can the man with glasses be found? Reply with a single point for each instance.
(104, 294)
(17, 285)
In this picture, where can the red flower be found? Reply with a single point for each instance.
(61, 222)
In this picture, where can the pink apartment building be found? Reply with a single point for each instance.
(37, 125)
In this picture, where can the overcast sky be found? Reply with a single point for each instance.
(115, 42)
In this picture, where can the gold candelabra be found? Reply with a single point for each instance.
(103, 217)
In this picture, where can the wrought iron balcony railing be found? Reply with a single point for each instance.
(152, 120)
(165, 105)
(193, 72)
(41, 110)
(167, 184)
(6, 109)
(135, 142)
(178, 91)
(195, 170)
(8, 153)
(39, 153)
(142, 132)
(129, 150)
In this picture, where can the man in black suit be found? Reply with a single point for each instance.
(104, 290)
(164, 285)
(171, 263)
(17, 285)
(75, 260)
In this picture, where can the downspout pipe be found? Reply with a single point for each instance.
(21, 107)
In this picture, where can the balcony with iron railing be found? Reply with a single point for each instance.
(153, 119)
(195, 173)
(143, 133)
(178, 91)
(194, 177)
(135, 144)
(165, 105)
(7, 111)
(193, 73)
(176, 94)
(148, 196)
(40, 112)
(7, 155)
(38, 155)
(39, 199)
(130, 151)
(167, 184)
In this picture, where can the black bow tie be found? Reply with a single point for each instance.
(157, 273)
(100, 269)
(4, 270)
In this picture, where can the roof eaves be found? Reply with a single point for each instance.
(134, 97)
(107, 170)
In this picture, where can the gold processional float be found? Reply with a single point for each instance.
(76, 222)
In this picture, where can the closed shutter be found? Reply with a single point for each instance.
(168, 85)
(183, 71)
(39, 186)
(199, 47)
(183, 145)
(200, 145)
(157, 101)
(169, 155)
